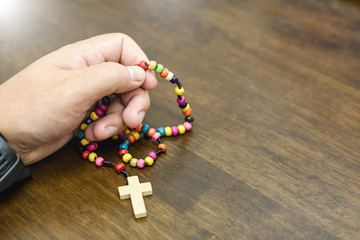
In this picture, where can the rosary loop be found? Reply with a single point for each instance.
(130, 135)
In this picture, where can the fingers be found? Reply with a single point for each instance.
(118, 117)
(103, 79)
(114, 47)
(137, 103)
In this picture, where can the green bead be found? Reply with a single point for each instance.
(159, 68)
(133, 162)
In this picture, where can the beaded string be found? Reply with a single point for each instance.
(130, 135)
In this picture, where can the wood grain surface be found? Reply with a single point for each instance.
(274, 150)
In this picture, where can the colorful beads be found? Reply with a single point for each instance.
(140, 163)
(179, 91)
(130, 135)
(127, 157)
(119, 167)
(92, 157)
(152, 65)
(168, 131)
(149, 161)
(99, 161)
(159, 68)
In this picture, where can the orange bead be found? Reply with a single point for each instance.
(164, 73)
(162, 147)
(151, 132)
(138, 128)
(187, 113)
(131, 138)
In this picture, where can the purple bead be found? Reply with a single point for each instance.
(99, 112)
(105, 100)
(121, 134)
(155, 136)
(174, 130)
(102, 107)
(140, 163)
(183, 105)
(174, 79)
(181, 101)
(152, 155)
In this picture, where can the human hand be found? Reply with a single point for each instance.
(46, 102)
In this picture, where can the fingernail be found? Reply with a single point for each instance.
(141, 116)
(110, 131)
(136, 73)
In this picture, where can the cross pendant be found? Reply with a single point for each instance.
(135, 191)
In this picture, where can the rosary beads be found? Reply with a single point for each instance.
(130, 135)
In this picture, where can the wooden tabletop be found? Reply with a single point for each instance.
(274, 151)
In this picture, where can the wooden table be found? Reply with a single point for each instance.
(274, 151)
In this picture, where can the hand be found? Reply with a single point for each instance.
(45, 103)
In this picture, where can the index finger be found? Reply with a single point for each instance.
(112, 47)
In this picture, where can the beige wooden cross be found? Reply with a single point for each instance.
(136, 190)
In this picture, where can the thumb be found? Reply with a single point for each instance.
(104, 79)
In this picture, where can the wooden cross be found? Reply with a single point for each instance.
(136, 190)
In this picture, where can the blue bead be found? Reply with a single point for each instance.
(105, 100)
(183, 105)
(145, 128)
(123, 146)
(126, 141)
(161, 130)
(81, 135)
(174, 79)
(88, 121)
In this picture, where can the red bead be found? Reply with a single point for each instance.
(122, 152)
(144, 65)
(119, 167)
(85, 154)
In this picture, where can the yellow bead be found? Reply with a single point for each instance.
(84, 142)
(115, 137)
(127, 131)
(185, 109)
(133, 162)
(168, 131)
(169, 76)
(127, 157)
(83, 126)
(152, 65)
(92, 157)
(181, 128)
(93, 116)
(179, 91)
(149, 160)
(136, 135)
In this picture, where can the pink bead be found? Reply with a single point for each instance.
(152, 155)
(174, 130)
(99, 112)
(92, 147)
(181, 101)
(155, 136)
(121, 134)
(103, 107)
(140, 163)
(187, 126)
(99, 161)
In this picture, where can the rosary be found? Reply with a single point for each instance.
(136, 190)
